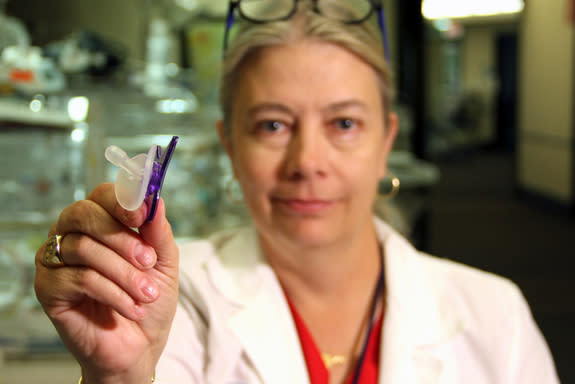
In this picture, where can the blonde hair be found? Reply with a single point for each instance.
(362, 39)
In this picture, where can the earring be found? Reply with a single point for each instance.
(233, 191)
(394, 181)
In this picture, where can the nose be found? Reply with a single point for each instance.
(306, 155)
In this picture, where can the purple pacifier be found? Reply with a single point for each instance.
(141, 177)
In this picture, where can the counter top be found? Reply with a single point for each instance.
(63, 370)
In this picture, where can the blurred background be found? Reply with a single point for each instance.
(486, 151)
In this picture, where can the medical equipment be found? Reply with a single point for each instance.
(140, 178)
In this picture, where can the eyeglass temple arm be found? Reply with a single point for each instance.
(229, 22)
(381, 21)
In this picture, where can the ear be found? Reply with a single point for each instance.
(224, 138)
(391, 129)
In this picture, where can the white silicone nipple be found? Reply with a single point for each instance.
(133, 177)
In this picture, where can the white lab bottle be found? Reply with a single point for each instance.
(158, 54)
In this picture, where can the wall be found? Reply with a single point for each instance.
(473, 57)
(434, 82)
(121, 21)
(478, 65)
(545, 144)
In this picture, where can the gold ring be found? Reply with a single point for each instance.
(52, 253)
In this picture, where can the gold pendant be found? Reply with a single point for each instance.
(331, 360)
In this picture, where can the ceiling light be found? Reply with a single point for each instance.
(442, 9)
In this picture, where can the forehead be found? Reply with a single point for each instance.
(306, 72)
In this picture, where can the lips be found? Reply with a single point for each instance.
(304, 206)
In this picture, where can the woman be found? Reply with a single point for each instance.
(318, 290)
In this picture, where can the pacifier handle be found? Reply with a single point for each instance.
(119, 157)
(141, 177)
(158, 174)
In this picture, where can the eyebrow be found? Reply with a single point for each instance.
(340, 105)
(269, 107)
(334, 107)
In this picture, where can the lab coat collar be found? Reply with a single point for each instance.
(263, 323)
(417, 322)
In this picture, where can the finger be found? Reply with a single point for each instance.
(158, 234)
(64, 288)
(84, 251)
(91, 219)
(105, 196)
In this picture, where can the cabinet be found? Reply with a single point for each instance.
(42, 145)
(42, 161)
(53, 155)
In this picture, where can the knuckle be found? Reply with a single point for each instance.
(40, 285)
(47, 284)
(77, 245)
(87, 278)
(167, 227)
(39, 256)
(133, 276)
(100, 191)
(97, 286)
(76, 215)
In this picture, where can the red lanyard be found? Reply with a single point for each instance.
(367, 367)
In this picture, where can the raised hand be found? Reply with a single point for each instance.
(114, 297)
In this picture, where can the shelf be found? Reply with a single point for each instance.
(185, 143)
(26, 221)
(15, 111)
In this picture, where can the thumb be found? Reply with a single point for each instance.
(158, 234)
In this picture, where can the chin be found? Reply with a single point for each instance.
(304, 229)
(308, 233)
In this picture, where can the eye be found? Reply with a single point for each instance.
(345, 124)
(271, 126)
(272, 132)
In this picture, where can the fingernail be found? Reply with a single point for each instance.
(148, 289)
(144, 256)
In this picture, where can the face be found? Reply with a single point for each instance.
(308, 143)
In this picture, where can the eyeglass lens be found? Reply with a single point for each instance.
(269, 10)
(347, 11)
(266, 10)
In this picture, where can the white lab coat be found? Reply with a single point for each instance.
(445, 323)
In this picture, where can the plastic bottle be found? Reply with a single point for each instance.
(158, 52)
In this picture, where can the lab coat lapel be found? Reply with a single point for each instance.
(416, 324)
(263, 323)
(270, 340)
